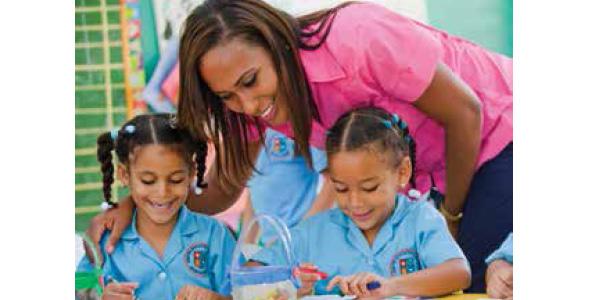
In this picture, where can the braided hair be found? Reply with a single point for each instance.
(372, 126)
(158, 129)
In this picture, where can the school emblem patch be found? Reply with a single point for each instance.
(404, 262)
(196, 258)
(278, 147)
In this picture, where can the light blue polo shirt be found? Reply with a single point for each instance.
(284, 185)
(414, 237)
(199, 252)
(505, 252)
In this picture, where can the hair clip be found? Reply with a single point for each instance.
(403, 125)
(129, 129)
(114, 134)
(407, 139)
(387, 123)
(105, 206)
(395, 118)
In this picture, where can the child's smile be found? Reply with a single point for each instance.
(159, 181)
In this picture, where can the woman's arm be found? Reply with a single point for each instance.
(449, 101)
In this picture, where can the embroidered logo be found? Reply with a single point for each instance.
(278, 147)
(404, 262)
(196, 258)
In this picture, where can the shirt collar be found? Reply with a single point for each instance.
(185, 225)
(320, 65)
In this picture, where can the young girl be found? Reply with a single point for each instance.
(167, 251)
(376, 233)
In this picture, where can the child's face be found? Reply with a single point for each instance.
(159, 180)
(366, 186)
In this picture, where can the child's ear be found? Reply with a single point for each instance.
(122, 174)
(404, 171)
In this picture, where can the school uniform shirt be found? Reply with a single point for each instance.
(199, 252)
(413, 238)
(284, 185)
(376, 57)
(505, 252)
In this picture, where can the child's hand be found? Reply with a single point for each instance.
(192, 292)
(356, 285)
(119, 291)
(499, 279)
(307, 279)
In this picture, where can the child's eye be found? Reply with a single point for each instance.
(250, 81)
(370, 189)
(147, 182)
(341, 190)
(176, 181)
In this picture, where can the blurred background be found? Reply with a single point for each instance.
(126, 64)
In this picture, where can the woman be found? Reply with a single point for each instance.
(245, 66)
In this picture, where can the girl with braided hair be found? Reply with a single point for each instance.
(167, 251)
(376, 234)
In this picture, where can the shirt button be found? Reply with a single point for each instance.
(162, 275)
(370, 261)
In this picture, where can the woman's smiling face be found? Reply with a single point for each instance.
(244, 77)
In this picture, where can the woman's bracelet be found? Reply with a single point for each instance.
(448, 215)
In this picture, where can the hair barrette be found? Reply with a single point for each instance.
(129, 129)
(114, 134)
(387, 123)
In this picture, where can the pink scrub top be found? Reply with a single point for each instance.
(374, 56)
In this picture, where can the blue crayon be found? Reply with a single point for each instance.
(373, 285)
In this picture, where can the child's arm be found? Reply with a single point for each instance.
(452, 275)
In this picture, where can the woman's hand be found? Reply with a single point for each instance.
(356, 285)
(119, 291)
(115, 219)
(307, 279)
(499, 279)
(192, 292)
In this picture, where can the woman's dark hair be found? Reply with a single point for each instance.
(157, 129)
(372, 127)
(282, 36)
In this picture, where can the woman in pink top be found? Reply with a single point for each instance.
(245, 65)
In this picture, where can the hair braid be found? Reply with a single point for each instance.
(412, 147)
(201, 151)
(104, 155)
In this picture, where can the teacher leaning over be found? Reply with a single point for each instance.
(246, 65)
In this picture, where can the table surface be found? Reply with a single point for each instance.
(466, 297)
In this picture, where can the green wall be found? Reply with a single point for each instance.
(485, 22)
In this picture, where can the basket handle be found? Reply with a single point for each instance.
(282, 231)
